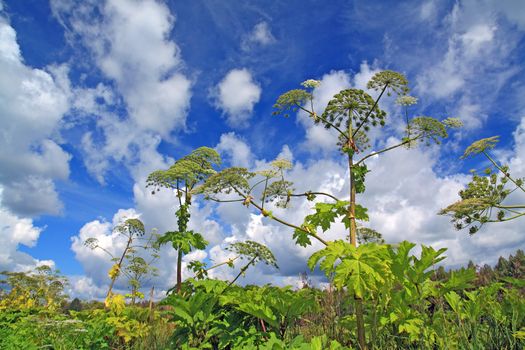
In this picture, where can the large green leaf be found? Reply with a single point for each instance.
(359, 269)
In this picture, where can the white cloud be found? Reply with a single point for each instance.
(477, 61)
(16, 231)
(157, 212)
(366, 72)
(428, 10)
(236, 95)
(129, 41)
(234, 150)
(84, 288)
(33, 102)
(471, 114)
(32, 195)
(260, 35)
(317, 137)
(403, 202)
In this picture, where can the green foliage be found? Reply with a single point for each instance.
(199, 268)
(407, 309)
(360, 269)
(195, 318)
(185, 241)
(326, 214)
(41, 288)
(359, 172)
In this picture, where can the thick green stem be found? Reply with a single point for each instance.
(351, 208)
(179, 271)
(223, 263)
(361, 339)
(360, 323)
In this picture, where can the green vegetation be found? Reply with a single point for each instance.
(412, 307)
(379, 295)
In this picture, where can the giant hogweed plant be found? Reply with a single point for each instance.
(351, 114)
(182, 178)
(135, 260)
(485, 199)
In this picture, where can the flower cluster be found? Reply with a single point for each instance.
(406, 100)
(311, 83)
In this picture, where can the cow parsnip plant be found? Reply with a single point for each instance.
(485, 199)
(351, 114)
(132, 261)
(182, 178)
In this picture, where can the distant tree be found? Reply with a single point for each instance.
(486, 275)
(502, 268)
(440, 274)
(41, 288)
(484, 199)
(75, 305)
(518, 264)
(183, 177)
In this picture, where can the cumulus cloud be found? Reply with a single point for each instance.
(33, 103)
(234, 150)
(480, 40)
(16, 231)
(129, 43)
(236, 95)
(260, 35)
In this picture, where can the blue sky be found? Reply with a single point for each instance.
(97, 94)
